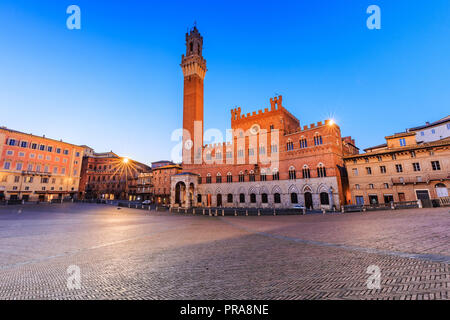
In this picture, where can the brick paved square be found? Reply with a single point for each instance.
(138, 254)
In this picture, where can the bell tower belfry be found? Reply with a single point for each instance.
(194, 69)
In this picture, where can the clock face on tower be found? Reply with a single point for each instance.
(188, 144)
(254, 129)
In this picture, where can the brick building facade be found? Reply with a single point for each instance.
(271, 161)
(108, 176)
(161, 177)
(144, 186)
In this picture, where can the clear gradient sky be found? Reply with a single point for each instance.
(116, 84)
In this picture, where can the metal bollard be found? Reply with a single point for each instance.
(193, 211)
(246, 212)
(216, 213)
(259, 212)
(203, 211)
(235, 213)
(223, 213)
(274, 213)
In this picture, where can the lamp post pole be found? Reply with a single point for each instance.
(125, 161)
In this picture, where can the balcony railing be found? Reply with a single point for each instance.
(35, 173)
(426, 178)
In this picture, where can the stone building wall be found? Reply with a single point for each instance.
(283, 187)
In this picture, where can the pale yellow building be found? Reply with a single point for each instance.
(400, 170)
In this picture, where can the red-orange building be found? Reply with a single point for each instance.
(161, 177)
(108, 176)
(272, 161)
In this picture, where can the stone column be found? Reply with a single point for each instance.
(186, 197)
(316, 200)
(330, 198)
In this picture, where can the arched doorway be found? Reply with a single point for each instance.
(308, 200)
(180, 193)
(219, 200)
(441, 190)
(208, 199)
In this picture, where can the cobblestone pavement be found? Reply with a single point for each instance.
(135, 254)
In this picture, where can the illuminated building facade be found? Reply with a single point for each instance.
(271, 161)
(108, 176)
(36, 168)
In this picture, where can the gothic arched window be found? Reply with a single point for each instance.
(324, 199)
(263, 176)
(321, 171)
(275, 174)
(306, 172)
(277, 198)
(241, 176)
(289, 145)
(292, 174)
(294, 197)
(317, 139)
(303, 142)
(264, 198)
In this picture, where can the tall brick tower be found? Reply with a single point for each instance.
(194, 70)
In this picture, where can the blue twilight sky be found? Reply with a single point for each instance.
(116, 84)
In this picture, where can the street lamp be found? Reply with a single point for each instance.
(125, 162)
